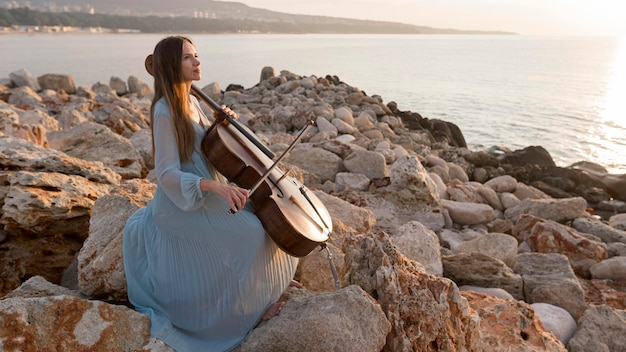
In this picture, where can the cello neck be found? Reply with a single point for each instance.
(224, 116)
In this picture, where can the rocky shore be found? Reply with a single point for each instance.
(438, 247)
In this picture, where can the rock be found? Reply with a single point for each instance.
(405, 294)
(57, 82)
(464, 213)
(556, 320)
(442, 189)
(30, 205)
(601, 328)
(387, 151)
(533, 155)
(39, 117)
(35, 134)
(598, 228)
(316, 271)
(344, 114)
(476, 269)
(496, 292)
(502, 184)
(118, 85)
(319, 322)
(342, 126)
(38, 286)
(451, 238)
(267, 72)
(347, 181)
(326, 128)
(103, 89)
(214, 91)
(364, 122)
(525, 191)
(100, 262)
(9, 116)
(411, 195)
(136, 86)
(25, 97)
(68, 323)
(156, 345)
(22, 77)
(618, 221)
(551, 237)
(521, 332)
(559, 210)
(142, 142)
(355, 217)
(548, 278)
(616, 249)
(615, 185)
(418, 243)
(457, 173)
(612, 269)
(24, 155)
(120, 116)
(316, 160)
(496, 245)
(408, 174)
(509, 200)
(368, 163)
(96, 142)
(68, 119)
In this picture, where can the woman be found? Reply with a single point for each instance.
(204, 276)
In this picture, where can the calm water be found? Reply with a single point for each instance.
(566, 94)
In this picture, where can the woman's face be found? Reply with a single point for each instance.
(190, 63)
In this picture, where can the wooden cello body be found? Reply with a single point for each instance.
(295, 219)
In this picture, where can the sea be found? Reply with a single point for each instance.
(566, 94)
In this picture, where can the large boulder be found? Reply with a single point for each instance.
(407, 294)
(69, 323)
(344, 320)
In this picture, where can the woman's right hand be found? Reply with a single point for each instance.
(235, 196)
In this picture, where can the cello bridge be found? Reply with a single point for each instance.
(285, 174)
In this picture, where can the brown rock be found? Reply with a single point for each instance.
(57, 82)
(509, 325)
(100, 261)
(66, 323)
(407, 295)
(551, 237)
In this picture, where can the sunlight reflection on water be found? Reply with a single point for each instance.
(615, 107)
(611, 129)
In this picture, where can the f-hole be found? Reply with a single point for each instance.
(280, 191)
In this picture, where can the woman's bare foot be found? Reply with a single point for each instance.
(273, 310)
(295, 284)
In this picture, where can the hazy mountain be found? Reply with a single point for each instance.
(223, 10)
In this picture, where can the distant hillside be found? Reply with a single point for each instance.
(259, 20)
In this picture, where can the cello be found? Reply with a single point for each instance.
(295, 219)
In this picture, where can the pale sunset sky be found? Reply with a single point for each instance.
(526, 17)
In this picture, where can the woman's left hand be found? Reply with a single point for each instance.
(228, 111)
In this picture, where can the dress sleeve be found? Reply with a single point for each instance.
(182, 188)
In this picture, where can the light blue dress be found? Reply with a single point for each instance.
(204, 276)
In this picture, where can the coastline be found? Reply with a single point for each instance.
(523, 102)
(24, 29)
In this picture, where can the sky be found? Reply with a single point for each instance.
(526, 17)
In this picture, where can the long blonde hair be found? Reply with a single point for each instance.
(169, 83)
